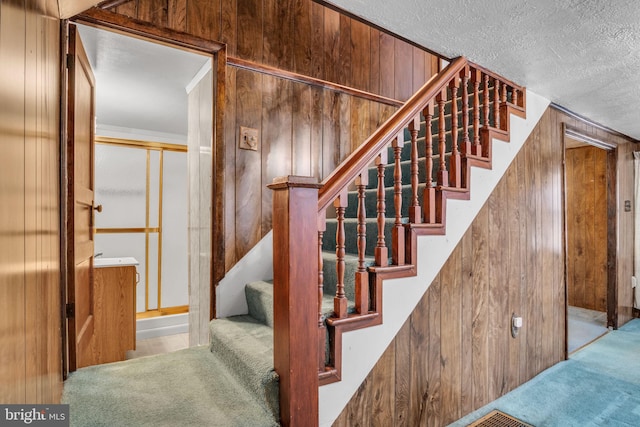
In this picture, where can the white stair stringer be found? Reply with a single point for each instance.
(362, 348)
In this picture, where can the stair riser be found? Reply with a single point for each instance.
(351, 241)
(371, 201)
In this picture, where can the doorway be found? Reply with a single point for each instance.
(590, 206)
(161, 146)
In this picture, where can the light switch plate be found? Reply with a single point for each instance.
(249, 138)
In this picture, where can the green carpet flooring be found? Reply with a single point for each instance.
(190, 387)
(598, 386)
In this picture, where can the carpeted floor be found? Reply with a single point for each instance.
(598, 386)
(189, 387)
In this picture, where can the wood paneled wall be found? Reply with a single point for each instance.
(455, 353)
(304, 129)
(586, 186)
(30, 308)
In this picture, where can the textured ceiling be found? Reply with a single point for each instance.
(581, 54)
(139, 84)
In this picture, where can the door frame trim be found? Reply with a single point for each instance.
(131, 27)
(612, 222)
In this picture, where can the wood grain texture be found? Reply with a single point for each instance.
(511, 260)
(298, 36)
(29, 213)
(586, 235)
(115, 314)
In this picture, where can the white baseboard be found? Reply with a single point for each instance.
(162, 325)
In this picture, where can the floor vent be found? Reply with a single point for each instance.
(499, 419)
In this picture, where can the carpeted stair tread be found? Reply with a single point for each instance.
(259, 297)
(262, 292)
(245, 345)
(190, 387)
(351, 227)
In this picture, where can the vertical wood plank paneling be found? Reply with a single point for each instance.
(401, 402)
(317, 40)
(344, 119)
(129, 9)
(360, 119)
(466, 329)
(587, 236)
(203, 18)
(276, 145)
(513, 263)
(383, 397)
(153, 11)
(600, 230)
(524, 283)
(304, 35)
(330, 131)
(12, 221)
(229, 27)
(546, 245)
(248, 166)
(625, 224)
(331, 45)
(278, 33)
(374, 66)
(307, 38)
(498, 318)
(419, 391)
(29, 212)
(418, 69)
(317, 144)
(403, 70)
(177, 15)
(302, 108)
(480, 331)
(360, 56)
(434, 381)
(515, 238)
(450, 356)
(32, 167)
(249, 30)
(230, 143)
(387, 66)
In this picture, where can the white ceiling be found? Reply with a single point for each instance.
(581, 54)
(140, 84)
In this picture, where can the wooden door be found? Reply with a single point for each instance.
(80, 137)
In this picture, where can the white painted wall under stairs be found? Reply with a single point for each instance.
(362, 348)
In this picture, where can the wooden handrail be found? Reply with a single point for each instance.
(478, 102)
(366, 153)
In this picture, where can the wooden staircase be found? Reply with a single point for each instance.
(437, 136)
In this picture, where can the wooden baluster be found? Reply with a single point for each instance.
(397, 232)
(475, 79)
(381, 253)
(415, 216)
(321, 328)
(443, 174)
(503, 100)
(485, 101)
(340, 300)
(454, 161)
(466, 143)
(514, 96)
(362, 276)
(429, 196)
(496, 103)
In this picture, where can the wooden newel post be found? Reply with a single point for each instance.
(295, 297)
